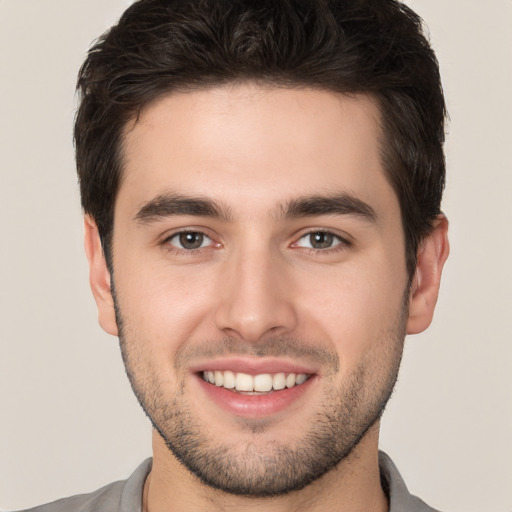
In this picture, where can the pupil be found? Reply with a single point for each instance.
(191, 240)
(321, 240)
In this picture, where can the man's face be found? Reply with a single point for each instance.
(258, 244)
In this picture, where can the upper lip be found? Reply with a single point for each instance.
(252, 366)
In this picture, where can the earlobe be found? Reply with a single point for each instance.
(99, 277)
(432, 254)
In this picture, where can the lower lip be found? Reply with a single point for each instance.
(254, 406)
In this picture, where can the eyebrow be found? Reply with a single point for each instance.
(335, 204)
(168, 205)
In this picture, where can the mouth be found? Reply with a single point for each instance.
(254, 384)
(255, 389)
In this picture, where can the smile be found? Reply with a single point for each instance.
(261, 383)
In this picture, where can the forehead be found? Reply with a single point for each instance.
(253, 147)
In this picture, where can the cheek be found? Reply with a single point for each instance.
(358, 307)
(164, 306)
(161, 312)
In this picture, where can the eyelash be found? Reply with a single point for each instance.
(182, 251)
(342, 244)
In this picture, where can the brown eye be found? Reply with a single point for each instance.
(189, 240)
(321, 240)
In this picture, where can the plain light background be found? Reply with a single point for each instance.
(68, 420)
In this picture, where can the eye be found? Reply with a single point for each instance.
(320, 240)
(189, 240)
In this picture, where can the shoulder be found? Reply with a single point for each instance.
(400, 499)
(107, 498)
(122, 496)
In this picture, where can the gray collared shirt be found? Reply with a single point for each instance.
(126, 495)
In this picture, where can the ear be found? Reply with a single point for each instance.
(99, 277)
(432, 254)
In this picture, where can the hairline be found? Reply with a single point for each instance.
(269, 84)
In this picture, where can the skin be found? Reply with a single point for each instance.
(256, 289)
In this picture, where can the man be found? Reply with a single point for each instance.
(261, 182)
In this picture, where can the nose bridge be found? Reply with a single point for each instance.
(255, 299)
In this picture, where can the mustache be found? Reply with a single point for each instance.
(270, 347)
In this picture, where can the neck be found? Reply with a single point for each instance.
(353, 485)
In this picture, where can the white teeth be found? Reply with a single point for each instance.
(219, 378)
(279, 381)
(290, 380)
(261, 383)
(300, 379)
(244, 382)
(229, 380)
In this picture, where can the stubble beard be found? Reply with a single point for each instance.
(270, 468)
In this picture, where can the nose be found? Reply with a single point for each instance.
(256, 297)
